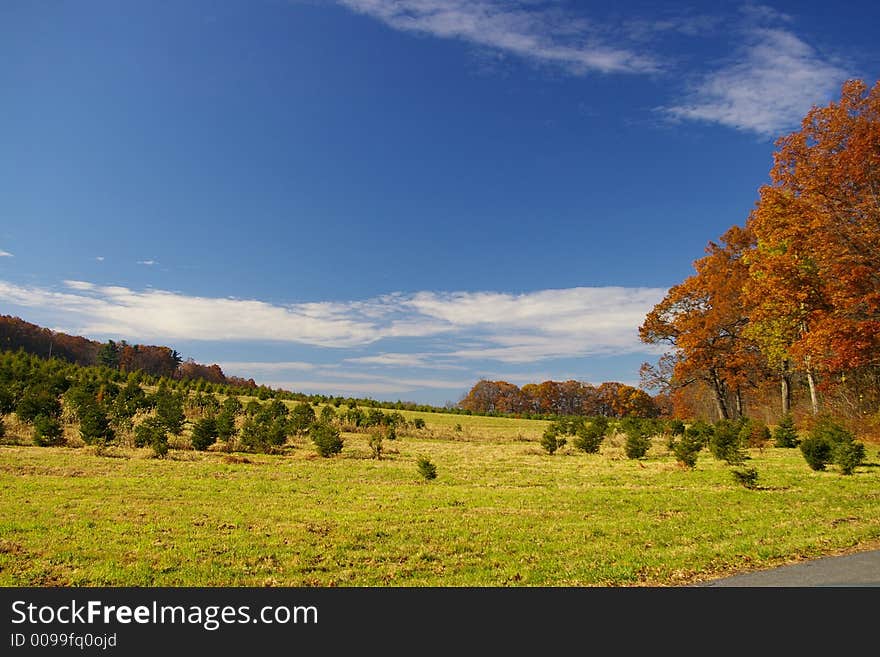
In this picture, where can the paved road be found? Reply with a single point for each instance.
(859, 569)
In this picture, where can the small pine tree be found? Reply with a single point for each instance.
(160, 445)
(375, 442)
(169, 409)
(637, 445)
(725, 443)
(700, 431)
(589, 438)
(686, 450)
(94, 427)
(550, 441)
(47, 431)
(225, 425)
(302, 417)
(785, 434)
(637, 440)
(816, 451)
(748, 477)
(326, 438)
(328, 414)
(675, 427)
(146, 433)
(426, 468)
(848, 456)
(204, 433)
(830, 442)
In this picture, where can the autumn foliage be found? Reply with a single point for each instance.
(610, 399)
(788, 304)
(159, 361)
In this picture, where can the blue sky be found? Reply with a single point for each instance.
(392, 198)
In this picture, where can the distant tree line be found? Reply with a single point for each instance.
(561, 398)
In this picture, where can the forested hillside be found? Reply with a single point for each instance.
(158, 361)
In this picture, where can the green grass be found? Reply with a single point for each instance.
(500, 512)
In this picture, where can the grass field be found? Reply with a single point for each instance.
(501, 512)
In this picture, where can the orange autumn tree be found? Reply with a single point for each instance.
(814, 286)
(703, 320)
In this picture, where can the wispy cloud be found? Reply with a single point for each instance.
(5, 254)
(148, 263)
(537, 32)
(474, 326)
(99, 258)
(263, 367)
(767, 88)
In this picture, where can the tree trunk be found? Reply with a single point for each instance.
(786, 388)
(739, 403)
(814, 396)
(720, 401)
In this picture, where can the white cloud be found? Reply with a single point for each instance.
(262, 367)
(149, 263)
(394, 360)
(773, 82)
(478, 325)
(99, 258)
(5, 254)
(366, 387)
(533, 31)
(367, 384)
(79, 285)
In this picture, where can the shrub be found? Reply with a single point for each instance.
(589, 438)
(7, 400)
(700, 432)
(47, 431)
(785, 434)
(550, 441)
(375, 442)
(169, 410)
(328, 414)
(637, 444)
(830, 442)
(675, 427)
(94, 427)
(160, 445)
(204, 433)
(816, 451)
(637, 440)
(251, 436)
(232, 405)
(418, 423)
(754, 434)
(148, 432)
(725, 443)
(302, 417)
(847, 456)
(224, 424)
(276, 431)
(2, 428)
(686, 450)
(326, 438)
(748, 477)
(426, 468)
(37, 401)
